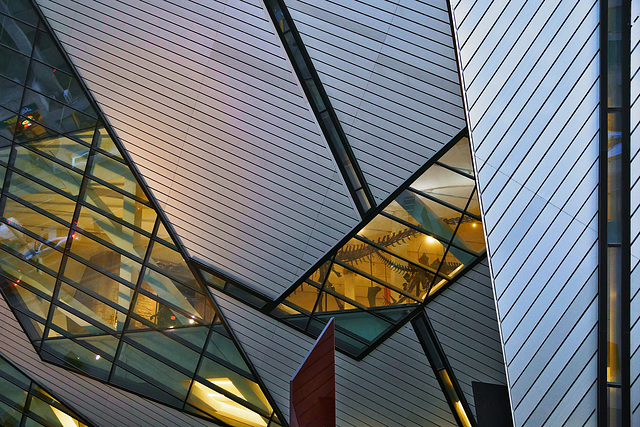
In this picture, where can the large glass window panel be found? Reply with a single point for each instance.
(13, 394)
(436, 218)
(154, 371)
(304, 297)
(103, 345)
(12, 374)
(96, 310)
(58, 85)
(25, 274)
(53, 114)
(47, 51)
(387, 233)
(8, 123)
(163, 234)
(105, 259)
(22, 299)
(359, 323)
(221, 347)
(33, 328)
(65, 351)
(16, 35)
(446, 185)
(50, 413)
(64, 149)
(105, 143)
(120, 206)
(156, 343)
(48, 171)
(91, 280)
(46, 199)
(459, 157)
(129, 381)
(474, 206)
(195, 335)
(178, 295)
(10, 94)
(334, 301)
(13, 65)
(117, 174)
(213, 402)
(171, 263)
(470, 235)
(9, 415)
(113, 232)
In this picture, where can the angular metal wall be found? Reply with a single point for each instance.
(389, 69)
(205, 101)
(464, 319)
(530, 80)
(635, 213)
(107, 406)
(394, 385)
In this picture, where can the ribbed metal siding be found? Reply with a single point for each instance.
(393, 386)
(99, 403)
(635, 213)
(464, 318)
(389, 69)
(530, 77)
(205, 101)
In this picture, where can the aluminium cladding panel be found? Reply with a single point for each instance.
(394, 385)
(530, 81)
(205, 101)
(635, 214)
(100, 404)
(464, 319)
(389, 70)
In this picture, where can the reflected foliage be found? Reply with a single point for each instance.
(87, 264)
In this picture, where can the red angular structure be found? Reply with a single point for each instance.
(313, 387)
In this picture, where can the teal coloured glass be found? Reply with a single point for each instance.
(176, 294)
(9, 416)
(10, 94)
(51, 114)
(69, 353)
(105, 259)
(156, 372)
(67, 150)
(98, 284)
(158, 344)
(222, 348)
(47, 51)
(13, 65)
(56, 84)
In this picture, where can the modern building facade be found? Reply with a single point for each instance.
(191, 190)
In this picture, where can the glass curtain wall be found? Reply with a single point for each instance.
(418, 243)
(25, 403)
(88, 264)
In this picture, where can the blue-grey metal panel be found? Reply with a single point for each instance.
(635, 214)
(100, 404)
(389, 69)
(465, 321)
(394, 385)
(205, 100)
(530, 75)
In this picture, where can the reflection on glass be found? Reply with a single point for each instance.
(446, 185)
(48, 171)
(459, 157)
(116, 174)
(63, 149)
(105, 143)
(18, 392)
(614, 170)
(46, 199)
(96, 310)
(400, 257)
(154, 342)
(210, 400)
(17, 35)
